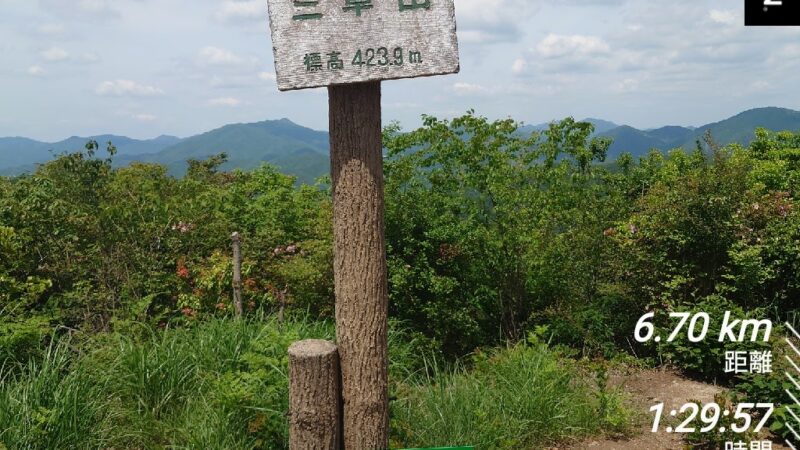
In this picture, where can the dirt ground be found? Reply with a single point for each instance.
(646, 388)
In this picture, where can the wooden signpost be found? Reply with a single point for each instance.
(326, 42)
(349, 46)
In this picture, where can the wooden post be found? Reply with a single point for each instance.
(237, 274)
(350, 49)
(360, 262)
(282, 302)
(314, 410)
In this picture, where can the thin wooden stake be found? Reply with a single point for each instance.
(237, 273)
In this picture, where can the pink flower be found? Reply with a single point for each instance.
(183, 272)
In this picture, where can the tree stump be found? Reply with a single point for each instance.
(314, 396)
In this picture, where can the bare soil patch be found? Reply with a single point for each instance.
(646, 388)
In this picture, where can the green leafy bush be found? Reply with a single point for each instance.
(706, 358)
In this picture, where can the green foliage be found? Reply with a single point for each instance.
(525, 396)
(92, 247)
(703, 237)
(704, 359)
(21, 340)
(219, 385)
(50, 404)
(755, 388)
(491, 235)
(481, 222)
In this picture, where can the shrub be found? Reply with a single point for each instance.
(704, 359)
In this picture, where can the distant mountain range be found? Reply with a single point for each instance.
(303, 152)
(19, 154)
(294, 149)
(600, 126)
(739, 128)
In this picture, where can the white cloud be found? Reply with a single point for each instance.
(626, 86)
(233, 10)
(95, 6)
(84, 9)
(539, 90)
(519, 66)
(50, 29)
(241, 80)
(403, 105)
(575, 53)
(479, 36)
(90, 57)
(266, 76)
(557, 45)
(55, 54)
(789, 51)
(784, 56)
(727, 17)
(491, 11)
(506, 89)
(35, 71)
(144, 117)
(490, 21)
(469, 89)
(216, 56)
(122, 88)
(225, 101)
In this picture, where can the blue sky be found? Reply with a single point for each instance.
(148, 67)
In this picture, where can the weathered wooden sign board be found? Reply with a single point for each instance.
(326, 42)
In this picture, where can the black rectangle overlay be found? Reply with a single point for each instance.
(772, 12)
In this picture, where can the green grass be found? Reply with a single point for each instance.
(222, 384)
(47, 406)
(523, 397)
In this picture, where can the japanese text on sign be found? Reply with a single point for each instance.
(325, 42)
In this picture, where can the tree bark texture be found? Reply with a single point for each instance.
(314, 401)
(360, 262)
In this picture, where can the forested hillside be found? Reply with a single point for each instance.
(19, 155)
(304, 153)
(737, 129)
(296, 150)
(518, 262)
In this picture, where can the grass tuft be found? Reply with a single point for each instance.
(223, 384)
(526, 396)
